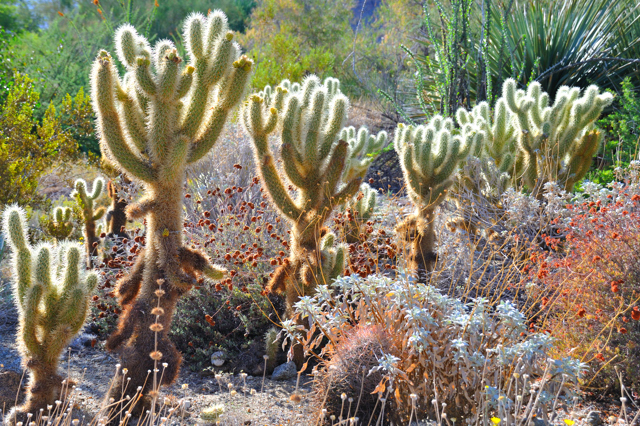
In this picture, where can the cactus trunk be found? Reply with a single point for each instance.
(116, 216)
(45, 386)
(91, 241)
(156, 268)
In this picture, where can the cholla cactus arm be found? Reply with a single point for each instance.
(429, 156)
(557, 142)
(90, 214)
(362, 147)
(161, 116)
(45, 328)
(110, 129)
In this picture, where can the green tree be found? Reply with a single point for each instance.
(171, 12)
(28, 146)
(291, 38)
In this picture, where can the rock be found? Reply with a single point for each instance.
(285, 371)
(593, 419)
(83, 340)
(217, 358)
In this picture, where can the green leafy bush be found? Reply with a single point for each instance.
(28, 146)
(622, 135)
(292, 38)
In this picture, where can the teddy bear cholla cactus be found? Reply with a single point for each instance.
(52, 292)
(153, 122)
(429, 155)
(325, 170)
(90, 214)
(555, 142)
(526, 143)
(59, 225)
(498, 133)
(359, 210)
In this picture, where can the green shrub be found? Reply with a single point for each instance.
(622, 135)
(28, 146)
(292, 38)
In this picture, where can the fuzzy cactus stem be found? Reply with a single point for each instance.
(324, 169)
(86, 200)
(162, 115)
(52, 293)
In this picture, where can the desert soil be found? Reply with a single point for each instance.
(94, 368)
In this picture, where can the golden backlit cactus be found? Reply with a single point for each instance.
(59, 225)
(161, 116)
(90, 213)
(325, 170)
(497, 133)
(555, 142)
(52, 291)
(359, 210)
(429, 157)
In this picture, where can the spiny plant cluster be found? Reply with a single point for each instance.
(162, 116)
(52, 292)
(429, 347)
(154, 121)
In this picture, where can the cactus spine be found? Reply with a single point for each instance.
(153, 122)
(429, 155)
(555, 142)
(359, 210)
(52, 293)
(325, 170)
(90, 214)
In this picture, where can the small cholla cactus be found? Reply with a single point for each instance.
(325, 169)
(359, 210)
(429, 156)
(212, 413)
(271, 348)
(555, 142)
(52, 293)
(90, 214)
(153, 122)
(59, 225)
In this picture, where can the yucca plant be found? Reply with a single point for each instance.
(473, 49)
(573, 42)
